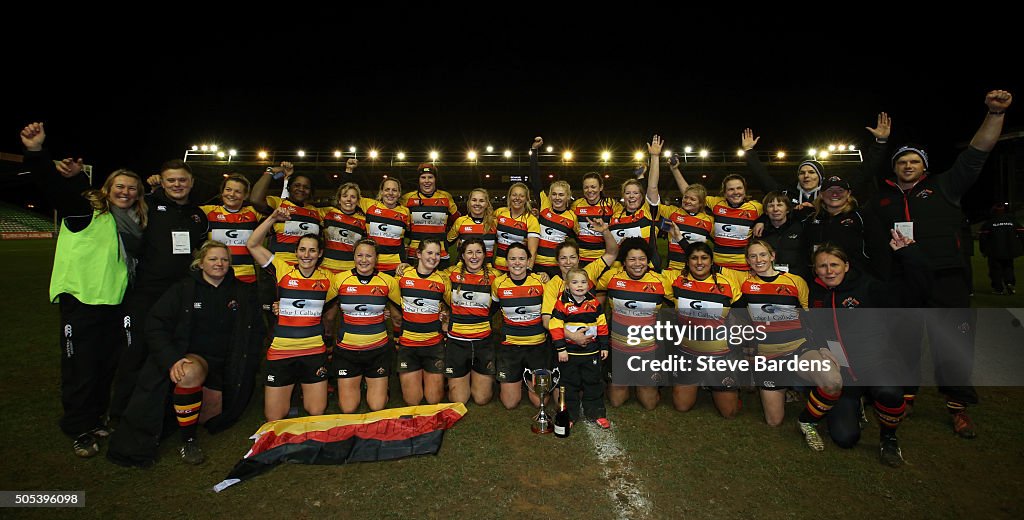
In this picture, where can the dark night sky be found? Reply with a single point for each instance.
(134, 100)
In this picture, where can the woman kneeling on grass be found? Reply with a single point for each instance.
(204, 336)
(775, 301)
(297, 353)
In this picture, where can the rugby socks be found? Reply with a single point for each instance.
(187, 403)
(818, 404)
(889, 418)
(955, 407)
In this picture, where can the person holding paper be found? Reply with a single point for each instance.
(859, 342)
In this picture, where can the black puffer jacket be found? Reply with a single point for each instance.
(168, 329)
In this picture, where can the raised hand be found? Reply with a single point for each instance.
(674, 233)
(288, 168)
(747, 139)
(69, 167)
(598, 225)
(537, 142)
(998, 100)
(281, 214)
(153, 180)
(654, 147)
(883, 127)
(32, 136)
(351, 165)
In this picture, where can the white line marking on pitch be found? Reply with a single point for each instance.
(624, 487)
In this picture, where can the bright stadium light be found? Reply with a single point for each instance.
(667, 153)
(812, 152)
(688, 149)
(471, 155)
(740, 153)
(262, 154)
(490, 149)
(822, 154)
(550, 149)
(373, 154)
(703, 154)
(850, 148)
(204, 148)
(401, 156)
(842, 148)
(195, 147)
(551, 176)
(487, 176)
(301, 153)
(781, 155)
(220, 155)
(232, 152)
(213, 148)
(567, 156)
(337, 153)
(606, 155)
(831, 147)
(639, 156)
(434, 155)
(508, 154)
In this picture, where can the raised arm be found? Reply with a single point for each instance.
(62, 184)
(678, 176)
(259, 253)
(535, 180)
(654, 148)
(986, 137)
(754, 164)
(874, 166)
(611, 247)
(258, 197)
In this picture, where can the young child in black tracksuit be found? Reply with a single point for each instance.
(577, 311)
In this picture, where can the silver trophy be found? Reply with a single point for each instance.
(544, 382)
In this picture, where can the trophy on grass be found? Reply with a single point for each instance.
(544, 382)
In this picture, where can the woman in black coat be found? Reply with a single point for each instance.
(863, 335)
(204, 336)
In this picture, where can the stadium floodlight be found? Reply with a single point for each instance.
(204, 148)
(352, 149)
(550, 149)
(567, 156)
(487, 176)
(551, 176)
(490, 149)
(471, 155)
(822, 154)
(842, 148)
(401, 156)
(213, 148)
(262, 154)
(195, 147)
(508, 154)
(831, 147)
(688, 149)
(220, 155)
(606, 155)
(812, 152)
(703, 154)
(740, 153)
(232, 152)
(301, 153)
(373, 154)
(781, 155)
(850, 148)
(667, 153)
(337, 153)
(639, 156)
(434, 155)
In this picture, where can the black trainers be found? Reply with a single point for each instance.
(890, 453)
(85, 446)
(191, 453)
(102, 432)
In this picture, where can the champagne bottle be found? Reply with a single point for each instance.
(562, 417)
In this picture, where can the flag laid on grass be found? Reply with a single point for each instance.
(339, 439)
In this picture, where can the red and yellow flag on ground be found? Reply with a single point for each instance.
(339, 439)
